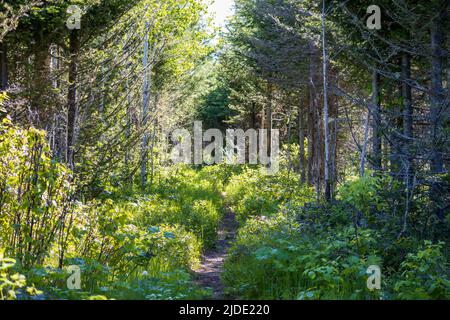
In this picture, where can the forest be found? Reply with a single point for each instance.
(124, 131)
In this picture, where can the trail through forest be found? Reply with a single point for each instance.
(211, 268)
(298, 150)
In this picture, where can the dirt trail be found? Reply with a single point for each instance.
(208, 275)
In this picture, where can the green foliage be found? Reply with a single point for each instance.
(277, 259)
(12, 283)
(34, 194)
(189, 198)
(253, 193)
(146, 244)
(111, 234)
(3, 98)
(322, 251)
(143, 247)
(9, 283)
(115, 242)
(425, 274)
(176, 285)
(363, 193)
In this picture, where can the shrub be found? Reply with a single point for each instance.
(34, 195)
(424, 274)
(203, 219)
(189, 198)
(12, 283)
(276, 258)
(254, 193)
(362, 193)
(110, 248)
(175, 285)
(111, 234)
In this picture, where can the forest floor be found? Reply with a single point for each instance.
(211, 268)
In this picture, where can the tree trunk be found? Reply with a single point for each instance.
(3, 66)
(153, 141)
(334, 134)
(40, 89)
(263, 119)
(253, 116)
(72, 97)
(311, 138)
(395, 139)
(146, 93)
(59, 131)
(128, 124)
(376, 123)
(128, 177)
(318, 152)
(407, 121)
(448, 62)
(437, 139)
(362, 166)
(326, 120)
(289, 138)
(269, 118)
(312, 122)
(301, 139)
(334, 150)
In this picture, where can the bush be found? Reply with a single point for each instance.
(110, 248)
(34, 195)
(175, 285)
(254, 193)
(203, 218)
(323, 250)
(9, 283)
(189, 198)
(111, 233)
(276, 258)
(12, 283)
(362, 193)
(140, 247)
(424, 274)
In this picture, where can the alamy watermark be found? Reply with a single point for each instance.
(74, 20)
(210, 147)
(74, 280)
(374, 20)
(374, 279)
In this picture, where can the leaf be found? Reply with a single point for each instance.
(153, 229)
(169, 235)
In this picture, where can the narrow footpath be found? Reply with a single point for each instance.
(209, 273)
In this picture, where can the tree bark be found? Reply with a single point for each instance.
(146, 93)
(289, 141)
(153, 141)
(326, 120)
(3, 65)
(334, 134)
(362, 166)
(301, 139)
(128, 177)
(72, 109)
(40, 89)
(311, 138)
(334, 150)
(312, 122)
(436, 109)
(395, 139)
(269, 110)
(376, 123)
(407, 121)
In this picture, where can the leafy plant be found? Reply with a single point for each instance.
(424, 274)
(11, 283)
